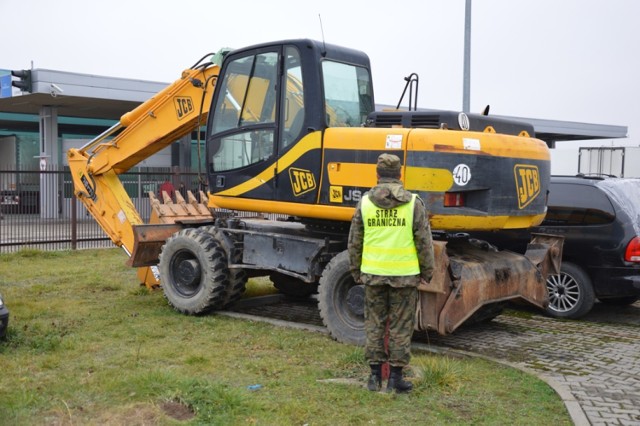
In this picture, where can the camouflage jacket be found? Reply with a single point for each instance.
(387, 194)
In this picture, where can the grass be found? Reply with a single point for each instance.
(87, 345)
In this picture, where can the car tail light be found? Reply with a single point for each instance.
(633, 250)
(454, 199)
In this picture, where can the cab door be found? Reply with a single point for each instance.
(243, 125)
(299, 153)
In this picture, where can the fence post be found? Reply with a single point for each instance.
(74, 222)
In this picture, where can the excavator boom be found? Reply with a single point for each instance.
(174, 112)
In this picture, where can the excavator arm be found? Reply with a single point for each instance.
(174, 112)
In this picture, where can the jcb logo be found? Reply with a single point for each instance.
(184, 106)
(302, 181)
(335, 194)
(527, 184)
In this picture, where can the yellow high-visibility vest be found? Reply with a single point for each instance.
(388, 246)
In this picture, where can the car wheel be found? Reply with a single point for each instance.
(570, 293)
(620, 301)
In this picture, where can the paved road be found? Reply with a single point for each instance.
(596, 359)
(594, 363)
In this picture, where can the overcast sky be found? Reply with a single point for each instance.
(575, 60)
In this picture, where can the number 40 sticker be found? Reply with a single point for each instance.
(461, 174)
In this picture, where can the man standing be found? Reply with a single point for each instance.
(390, 252)
(167, 187)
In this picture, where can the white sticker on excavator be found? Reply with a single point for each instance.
(394, 142)
(471, 144)
(461, 174)
(121, 216)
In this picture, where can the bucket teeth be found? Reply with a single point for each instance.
(168, 211)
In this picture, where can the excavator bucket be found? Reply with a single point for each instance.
(166, 219)
(473, 278)
(181, 210)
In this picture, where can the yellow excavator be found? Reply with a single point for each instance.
(291, 129)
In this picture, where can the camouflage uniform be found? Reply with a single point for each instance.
(392, 298)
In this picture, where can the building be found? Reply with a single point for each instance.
(62, 110)
(46, 112)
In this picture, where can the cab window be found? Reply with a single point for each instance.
(347, 94)
(293, 118)
(243, 124)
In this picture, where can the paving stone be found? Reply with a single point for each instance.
(599, 364)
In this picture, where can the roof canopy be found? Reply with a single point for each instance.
(108, 98)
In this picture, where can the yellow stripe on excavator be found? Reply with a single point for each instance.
(309, 142)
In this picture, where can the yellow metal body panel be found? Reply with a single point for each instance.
(111, 207)
(282, 207)
(423, 179)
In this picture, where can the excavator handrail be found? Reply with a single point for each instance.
(110, 131)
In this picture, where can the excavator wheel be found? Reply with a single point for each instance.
(237, 276)
(194, 271)
(341, 302)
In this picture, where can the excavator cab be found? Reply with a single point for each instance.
(268, 113)
(292, 130)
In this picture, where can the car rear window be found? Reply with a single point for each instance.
(577, 205)
(626, 194)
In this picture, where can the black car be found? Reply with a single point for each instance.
(4, 318)
(599, 217)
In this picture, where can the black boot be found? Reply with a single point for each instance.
(397, 383)
(375, 379)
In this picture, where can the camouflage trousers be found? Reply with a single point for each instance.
(398, 306)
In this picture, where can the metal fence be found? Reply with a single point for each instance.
(38, 209)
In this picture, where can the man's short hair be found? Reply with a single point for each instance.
(388, 166)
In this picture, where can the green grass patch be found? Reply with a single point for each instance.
(87, 345)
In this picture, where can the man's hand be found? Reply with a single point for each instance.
(423, 281)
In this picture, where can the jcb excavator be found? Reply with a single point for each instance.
(291, 130)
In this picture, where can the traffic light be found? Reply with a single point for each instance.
(24, 84)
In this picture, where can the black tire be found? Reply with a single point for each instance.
(341, 302)
(237, 277)
(291, 286)
(620, 301)
(193, 272)
(571, 293)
